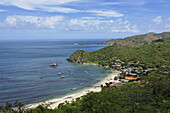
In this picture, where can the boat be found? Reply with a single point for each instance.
(54, 65)
(59, 73)
(81, 83)
(73, 88)
(86, 71)
(62, 77)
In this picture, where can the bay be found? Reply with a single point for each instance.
(26, 75)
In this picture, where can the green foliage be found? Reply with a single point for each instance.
(8, 107)
(139, 40)
(153, 55)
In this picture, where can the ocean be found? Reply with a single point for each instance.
(26, 75)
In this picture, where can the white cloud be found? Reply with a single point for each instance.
(119, 25)
(157, 19)
(19, 3)
(88, 24)
(57, 6)
(91, 18)
(1, 10)
(26, 22)
(159, 24)
(36, 4)
(167, 25)
(134, 2)
(110, 13)
(122, 26)
(59, 9)
(112, 3)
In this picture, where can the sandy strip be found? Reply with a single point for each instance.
(53, 103)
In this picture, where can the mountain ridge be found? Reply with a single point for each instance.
(138, 40)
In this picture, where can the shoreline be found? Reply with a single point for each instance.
(53, 103)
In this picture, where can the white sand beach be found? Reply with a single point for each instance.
(53, 103)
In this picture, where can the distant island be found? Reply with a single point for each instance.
(76, 44)
(81, 44)
(84, 44)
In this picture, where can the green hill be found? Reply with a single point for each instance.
(138, 40)
(154, 55)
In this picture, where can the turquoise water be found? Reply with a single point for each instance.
(25, 74)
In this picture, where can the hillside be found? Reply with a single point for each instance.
(138, 40)
(153, 55)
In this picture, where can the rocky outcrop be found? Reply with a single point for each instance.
(84, 43)
(78, 56)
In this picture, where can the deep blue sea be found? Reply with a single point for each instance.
(25, 74)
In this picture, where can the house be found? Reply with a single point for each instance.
(118, 66)
(137, 62)
(106, 66)
(130, 69)
(124, 70)
(137, 81)
(150, 69)
(112, 85)
(131, 78)
(113, 66)
(122, 62)
(166, 72)
(164, 66)
(118, 61)
(120, 83)
(133, 74)
(124, 80)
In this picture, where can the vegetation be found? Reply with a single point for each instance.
(138, 40)
(151, 95)
(153, 55)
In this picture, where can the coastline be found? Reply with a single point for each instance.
(53, 103)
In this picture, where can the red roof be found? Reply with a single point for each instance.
(131, 78)
(112, 85)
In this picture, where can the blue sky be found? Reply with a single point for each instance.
(62, 19)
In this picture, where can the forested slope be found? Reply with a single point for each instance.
(138, 40)
(153, 55)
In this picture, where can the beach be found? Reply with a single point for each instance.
(53, 103)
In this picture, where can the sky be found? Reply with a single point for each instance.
(82, 19)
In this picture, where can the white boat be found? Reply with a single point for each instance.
(59, 73)
(53, 65)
